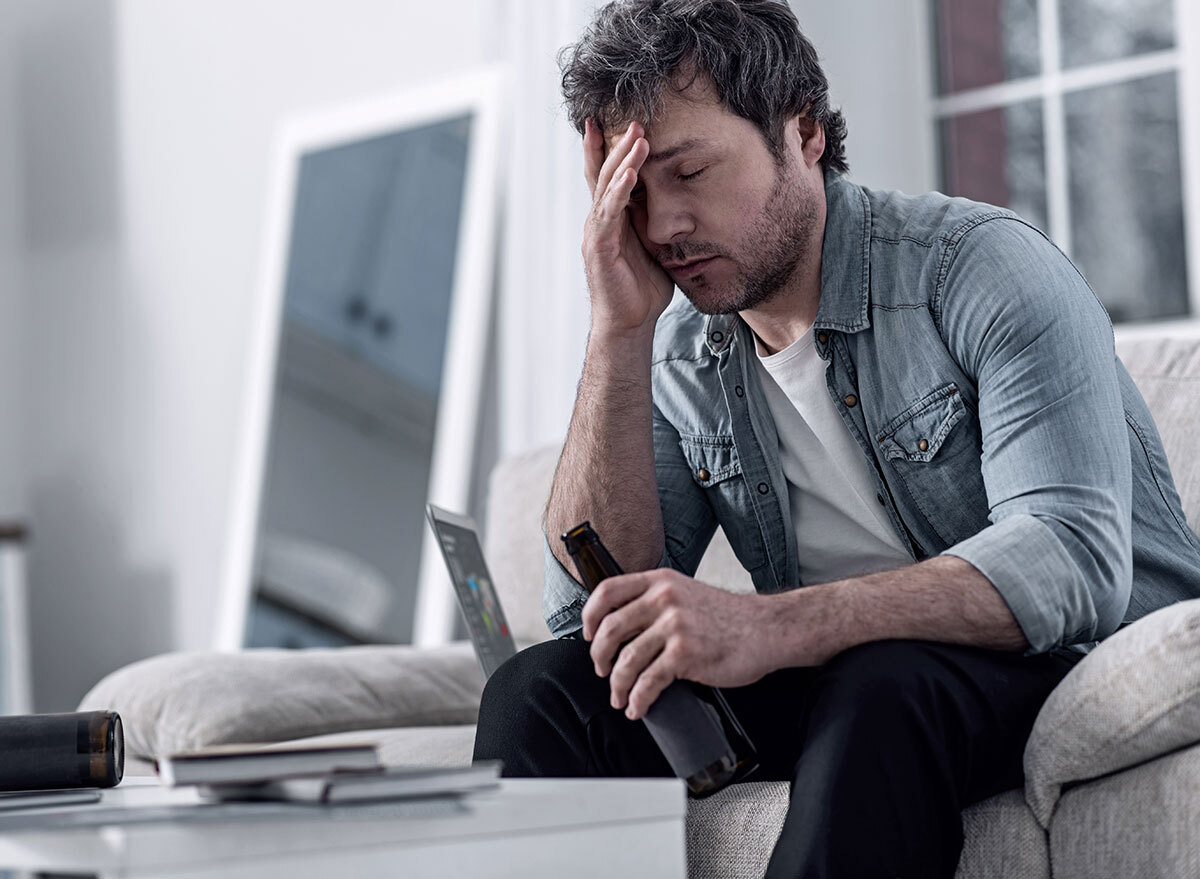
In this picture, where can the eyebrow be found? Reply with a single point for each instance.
(673, 151)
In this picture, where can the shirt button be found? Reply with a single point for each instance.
(822, 338)
(850, 400)
(739, 391)
(717, 337)
(704, 475)
(879, 497)
(763, 488)
(923, 445)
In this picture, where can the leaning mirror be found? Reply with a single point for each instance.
(366, 387)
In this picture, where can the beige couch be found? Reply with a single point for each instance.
(1112, 767)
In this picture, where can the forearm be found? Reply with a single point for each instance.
(606, 471)
(942, 599)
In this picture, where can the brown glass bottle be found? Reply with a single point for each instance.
(692, 724)
(52, 751)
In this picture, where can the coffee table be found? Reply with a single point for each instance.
(525, 828)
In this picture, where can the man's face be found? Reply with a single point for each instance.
(712, 205)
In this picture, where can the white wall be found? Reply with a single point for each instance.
(877, 58)
(12, 501)
(149, 125)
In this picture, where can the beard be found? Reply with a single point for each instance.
(773, 248)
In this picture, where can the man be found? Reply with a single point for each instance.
(909, 406)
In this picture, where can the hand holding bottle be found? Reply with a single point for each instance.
(653, 627)
(629, 290)
(692, 724)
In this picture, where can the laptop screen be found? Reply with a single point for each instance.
(473, 586)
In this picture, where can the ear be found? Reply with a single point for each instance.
(812, 139)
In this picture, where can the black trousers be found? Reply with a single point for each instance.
(884, 745)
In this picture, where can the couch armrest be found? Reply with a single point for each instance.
(180, 701)
(1135, 697)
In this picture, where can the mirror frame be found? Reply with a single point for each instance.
(481, 95)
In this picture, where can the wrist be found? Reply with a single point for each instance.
(623, 348)
(609, 333)
(812, 624)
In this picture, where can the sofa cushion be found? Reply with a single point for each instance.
(181, 701)
(1167, 372)
(1141, 822)
(732, 833)
(1133, 698)
(517, 493)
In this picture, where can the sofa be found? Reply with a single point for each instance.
(1112, 767)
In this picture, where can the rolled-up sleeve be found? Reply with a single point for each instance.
(688, 522)
(1020, 319)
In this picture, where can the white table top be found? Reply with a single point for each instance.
(170, 828)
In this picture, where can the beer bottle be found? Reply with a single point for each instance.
(51, 751)
(691, 723)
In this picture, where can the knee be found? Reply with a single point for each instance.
(532, 676)
(527, 703)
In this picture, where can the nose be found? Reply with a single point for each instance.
(667, 219)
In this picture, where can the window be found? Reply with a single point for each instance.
(1068, 112)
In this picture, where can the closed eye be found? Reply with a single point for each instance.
(691, 176)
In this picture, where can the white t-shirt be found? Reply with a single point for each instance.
(841, 528)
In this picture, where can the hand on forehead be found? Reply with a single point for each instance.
(614, 135)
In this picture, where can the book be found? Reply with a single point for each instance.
(240, 764)
(392, 783)
(37, 799)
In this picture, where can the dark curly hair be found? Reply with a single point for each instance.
(763, 68)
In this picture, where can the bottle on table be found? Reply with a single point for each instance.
(691, 723)
(53, 751)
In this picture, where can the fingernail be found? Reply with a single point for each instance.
(630, 713)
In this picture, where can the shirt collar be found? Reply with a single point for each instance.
(845, 258)
(845, 268)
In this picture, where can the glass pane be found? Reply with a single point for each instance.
(983, 42)
(1108, 30)
(1127, 196)
(997, 156)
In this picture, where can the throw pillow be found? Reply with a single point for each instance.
(182, 701)
(1133, 698)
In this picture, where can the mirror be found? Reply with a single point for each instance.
(377, 284)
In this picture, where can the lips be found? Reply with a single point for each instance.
(691, 268)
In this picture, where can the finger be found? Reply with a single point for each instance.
(611, 594)
(593, 153)
(659, 675)
(616, 156)
(626, 174)
(622, 625)
(635, 658)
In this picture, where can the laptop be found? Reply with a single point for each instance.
(477, 598)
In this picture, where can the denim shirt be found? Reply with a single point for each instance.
(975, 368)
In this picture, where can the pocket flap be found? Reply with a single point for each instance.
(711, 459)
(917, 433)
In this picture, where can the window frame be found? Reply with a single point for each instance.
(1052, 84)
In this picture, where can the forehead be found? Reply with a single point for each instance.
(691, 113)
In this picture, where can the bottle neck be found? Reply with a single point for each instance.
(593, 560)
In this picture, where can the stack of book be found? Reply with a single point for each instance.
(315, 774)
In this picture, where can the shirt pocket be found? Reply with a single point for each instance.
(917, 433)
(711, 459)
(715, 467)
(932, 450)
